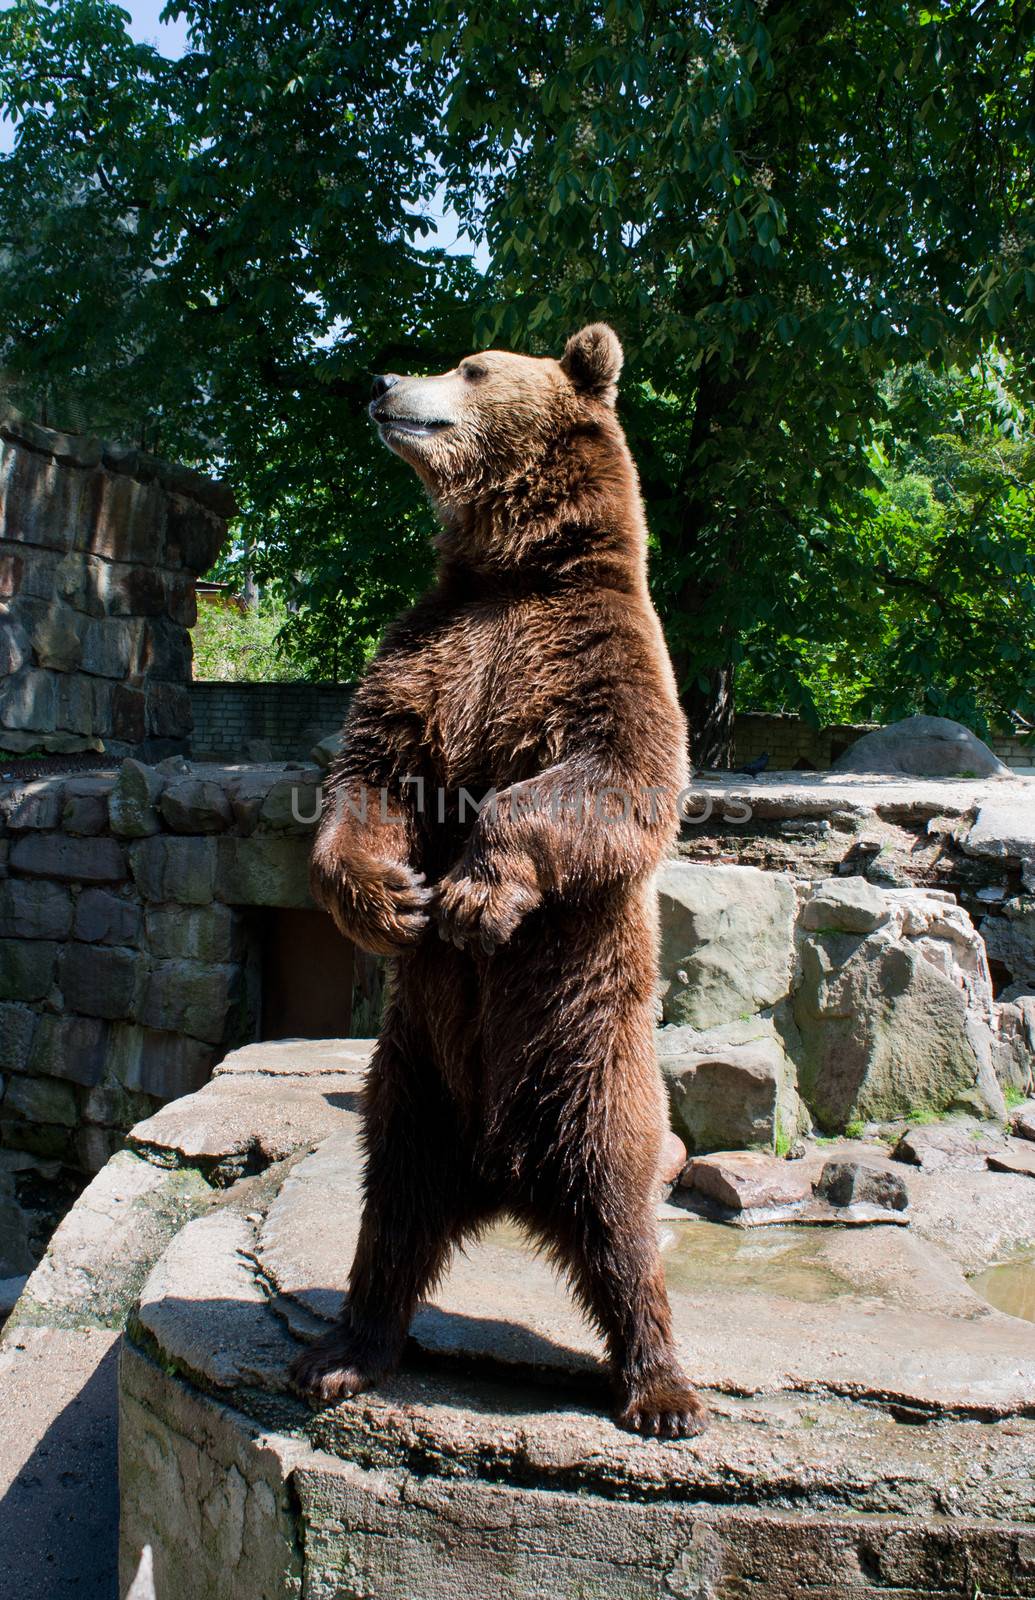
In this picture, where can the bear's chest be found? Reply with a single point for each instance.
(491, 696)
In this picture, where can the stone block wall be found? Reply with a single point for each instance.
(100, 547)
(130, 957)
(282, 721)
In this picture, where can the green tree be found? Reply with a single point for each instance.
(777, 205)
(212, 255)
(773, 203)
(936, 581)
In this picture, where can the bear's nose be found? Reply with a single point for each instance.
(382, 383)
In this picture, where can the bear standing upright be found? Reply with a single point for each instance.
(509, 779)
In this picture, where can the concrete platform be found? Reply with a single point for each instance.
(874, 1419)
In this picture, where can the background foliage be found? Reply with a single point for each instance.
(810, 221)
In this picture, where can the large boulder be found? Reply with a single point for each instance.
(923, 747)
(731, 1087)
(897, 1017)
(727, 942)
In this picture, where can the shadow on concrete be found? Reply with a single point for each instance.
(59, 1517)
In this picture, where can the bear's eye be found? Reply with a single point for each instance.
(472, 372)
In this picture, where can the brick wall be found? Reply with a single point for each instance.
(264, 721)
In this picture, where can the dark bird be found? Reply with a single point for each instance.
(753, 768)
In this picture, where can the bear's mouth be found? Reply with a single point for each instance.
(413, 427)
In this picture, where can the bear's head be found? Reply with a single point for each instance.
(484, 424)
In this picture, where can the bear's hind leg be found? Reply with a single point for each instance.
(613, 1263)
(419, 1201)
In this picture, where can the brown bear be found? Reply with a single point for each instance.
(508, 781)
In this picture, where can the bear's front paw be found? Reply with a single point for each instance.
(474, 912)
(382, 905)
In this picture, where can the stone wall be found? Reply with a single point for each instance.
(100, 547)
(131, 924)
(279, 721)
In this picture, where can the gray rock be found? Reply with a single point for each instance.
(85, 809)
(745, 1180)
(1010, 939)
(325, 751)
(729, 1087)
(957, 1145)
(182, 870)
(33, 805)
(264, 871)
(17, 1026)
(846, 1183)
(190, 805)
(1023, 1122)
(1016, 1156)
(203, 933)
(28, 699)
(72, 1048)
(56, 855)
(726, 942)
(98, 981)
(111, 647)
(41, 1100)
(292, 806)
(105, 918)
(94, 1146)
(922, 747)
(34, 909)
(1015, 1043)
(27, 968)
(1004, 830)
(165, 1065)
(56, 639)
(845, 905)
(133, 801)
(15, 648)
(898, 1020)
(188, 997)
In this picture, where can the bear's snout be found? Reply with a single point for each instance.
(382, 383)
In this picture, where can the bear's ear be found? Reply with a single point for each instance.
(593, 359)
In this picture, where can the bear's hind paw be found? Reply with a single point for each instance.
(328, 1371)
(667, 1408)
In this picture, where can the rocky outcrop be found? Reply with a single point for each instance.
(922, 747)
(894, 1006)
(726, 947)
(731, 1087)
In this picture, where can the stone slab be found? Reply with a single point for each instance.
(99, 1254)
(504, 1305)
(1017, 1158)
(782, 795)
(240, 1122)
(298, 1058)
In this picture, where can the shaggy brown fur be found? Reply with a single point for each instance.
(515, 1071)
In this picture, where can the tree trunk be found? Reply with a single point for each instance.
(709, 714)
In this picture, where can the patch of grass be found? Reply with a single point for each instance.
(782, 1142)
(855, 1129)
(922, 1116)
(1013, 1097)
